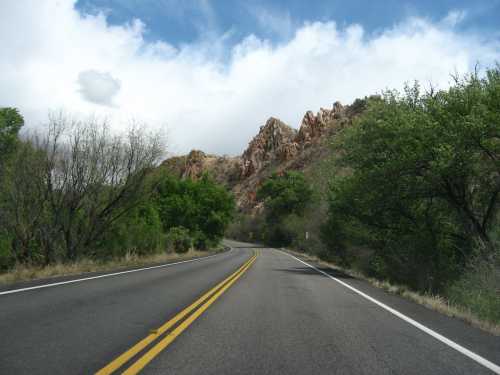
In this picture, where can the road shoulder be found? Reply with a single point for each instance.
(483, 343)
(109, 271)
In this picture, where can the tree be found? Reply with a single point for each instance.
(285, 194)
(139, 231)
(11, 122)
(423, 170)
(203, 207)
(69, 185)
(24, 207)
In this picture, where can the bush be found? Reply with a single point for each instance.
(246, 228)
(479, 290)
(202, 207)
(139, 231)
(284, 195)
(179, 240)
(303, 233)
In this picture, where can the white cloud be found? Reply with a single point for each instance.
(98, 87)
(205, 103)
(454, 17)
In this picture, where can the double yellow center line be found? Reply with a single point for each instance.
(185, 317)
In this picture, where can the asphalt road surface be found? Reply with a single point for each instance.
(247, 311)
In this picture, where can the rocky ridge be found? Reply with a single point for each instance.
(276, 148)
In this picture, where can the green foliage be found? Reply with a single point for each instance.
(203, 207)
(76, 191)
(66, 192)
(179, 239)
(139, 231)
(247, 228)
(418, 181)
(6, 256)
(479, 289)
(11, 122)
(283, 195)
(24, 208)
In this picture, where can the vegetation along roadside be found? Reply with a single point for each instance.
(408, 195)
(76, 197)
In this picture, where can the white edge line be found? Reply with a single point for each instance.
(108, 275)
(482, 361)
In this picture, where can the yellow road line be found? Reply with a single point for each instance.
(126, 356)
(160, 346)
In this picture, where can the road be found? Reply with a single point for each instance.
(247, 311)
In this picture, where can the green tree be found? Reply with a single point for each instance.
(179, 239)
(421, 178)
(65, 188)
(139, 231)
(283, 195)
(11, 122)
(202, 207)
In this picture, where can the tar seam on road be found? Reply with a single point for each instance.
(205, 300)
(107, 275)
(475, 357)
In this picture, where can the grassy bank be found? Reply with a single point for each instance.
(433, 302)
(26, 272)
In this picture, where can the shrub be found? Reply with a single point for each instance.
(179, 240)
(202, 207)
(246, 228)
(479, 290)
(283, 195)
(139, 230)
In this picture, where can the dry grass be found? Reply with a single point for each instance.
(433, 302)
(27, 272)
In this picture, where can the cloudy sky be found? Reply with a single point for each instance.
(209, 73)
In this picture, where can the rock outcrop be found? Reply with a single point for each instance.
(225, 169)
(277, 147)
(274, 142)
(313, 127)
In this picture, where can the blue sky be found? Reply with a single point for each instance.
(208, 74)
(181, 22)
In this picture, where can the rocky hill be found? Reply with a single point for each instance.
(277, 148)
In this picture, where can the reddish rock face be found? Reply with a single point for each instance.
(277, 147)
(314, 127)
(224, 169)
(274, 141)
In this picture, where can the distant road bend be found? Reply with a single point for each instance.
(250, 310)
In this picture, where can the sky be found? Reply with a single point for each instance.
(209, 73)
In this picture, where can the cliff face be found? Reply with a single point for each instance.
(276, 148)
(274, 142)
